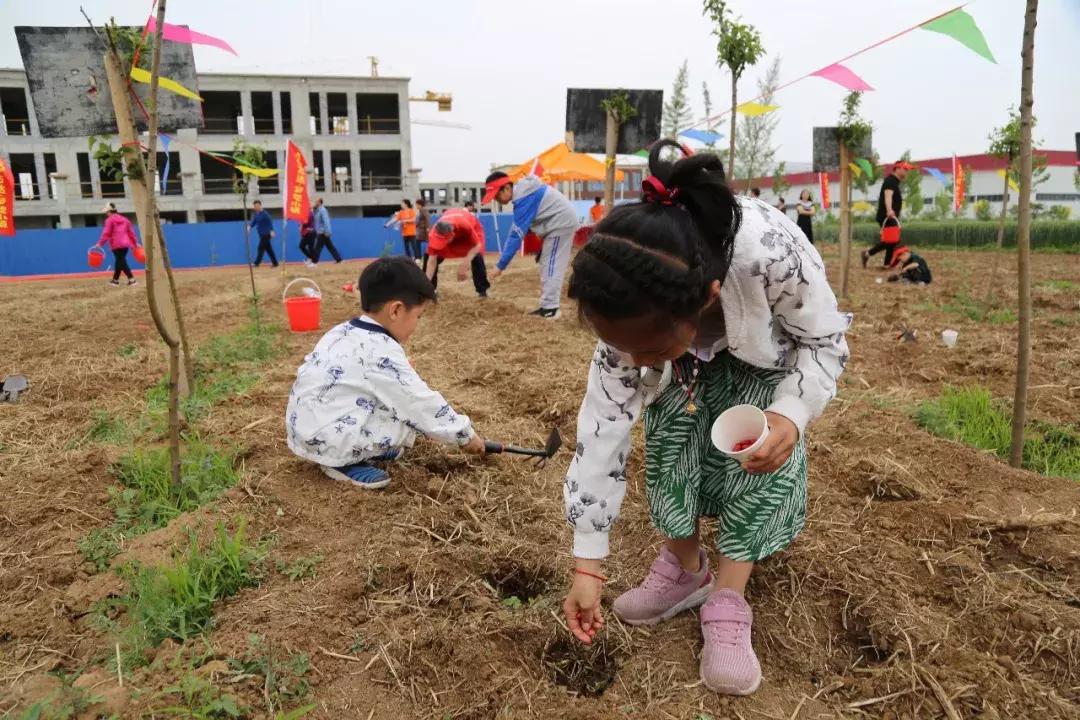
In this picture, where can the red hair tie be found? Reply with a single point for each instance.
(654, 191)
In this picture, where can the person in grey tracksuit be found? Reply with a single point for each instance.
(544, 211)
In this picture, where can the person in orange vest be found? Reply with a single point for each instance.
(406, 217)
(597, 211)
(457, 233)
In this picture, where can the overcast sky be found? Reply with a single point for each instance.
(508, 64)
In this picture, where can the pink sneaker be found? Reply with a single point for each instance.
(666, 591)
(728, 662)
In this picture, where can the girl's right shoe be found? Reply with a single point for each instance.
(360, 474)
(666, 591)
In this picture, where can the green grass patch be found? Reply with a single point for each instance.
(300, 568)
(66, 703)
(971, 416)
(1057, 285)
(968, 307)
(129, 350)
(210, 389)
(176, 601)
(147, 499)
(246, 345)
(107, 428)
(284, 676)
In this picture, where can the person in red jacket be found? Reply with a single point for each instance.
(121, 238)
(457, 233)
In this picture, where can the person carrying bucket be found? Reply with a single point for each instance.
(120, 235)
(890, 202)
(357, 402)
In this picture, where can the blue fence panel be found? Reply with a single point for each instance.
(54, 252)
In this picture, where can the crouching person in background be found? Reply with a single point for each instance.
(913, 269)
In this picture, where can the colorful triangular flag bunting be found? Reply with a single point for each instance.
(961, 27)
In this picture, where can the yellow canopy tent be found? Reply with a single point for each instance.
(559, 164)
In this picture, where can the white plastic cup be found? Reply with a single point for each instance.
(879, 281)
(742, 422)
(949, 337)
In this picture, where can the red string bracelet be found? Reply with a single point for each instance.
(601, 578)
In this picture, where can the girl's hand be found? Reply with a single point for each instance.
(777, 447)
(495, 272)
(582, 605)
(462, 271)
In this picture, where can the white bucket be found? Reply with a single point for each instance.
(742, 422)
(949, 337)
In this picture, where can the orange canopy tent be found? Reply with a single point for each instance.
(559, 164)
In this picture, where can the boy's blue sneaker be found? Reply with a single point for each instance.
(359, 474)
(388, 456)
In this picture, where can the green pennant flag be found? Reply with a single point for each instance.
(865, 165)
(961, 27)
(642, 153)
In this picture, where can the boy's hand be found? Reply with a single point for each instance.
(462, 272)
(495, 272)
(474, 446)
(777, 447)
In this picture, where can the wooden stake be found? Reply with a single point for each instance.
(611, 143)
(845, 219)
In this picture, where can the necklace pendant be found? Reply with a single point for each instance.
(691, 407)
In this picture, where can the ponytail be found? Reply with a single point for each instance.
(661, 255)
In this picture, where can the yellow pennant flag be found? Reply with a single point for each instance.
(1012, 183)
(855, 169)
(753, 109)
(257, 172)
(143, 76)
(861, 206)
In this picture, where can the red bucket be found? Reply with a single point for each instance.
(140, 254)
(303, 312)
(582, 235)
(890, 234)
(532, 244)
(95, 256)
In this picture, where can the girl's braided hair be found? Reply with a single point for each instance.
(663, 253)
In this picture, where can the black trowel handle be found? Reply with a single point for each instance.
(494, 448)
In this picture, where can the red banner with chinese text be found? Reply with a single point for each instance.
(823, 181)
(297, 203)
(7, 199)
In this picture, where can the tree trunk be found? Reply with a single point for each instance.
(611, 144)
(251, 268)
(845, 220)
(731, 142)
(1023, 238)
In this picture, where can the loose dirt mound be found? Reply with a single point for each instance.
(931, 580)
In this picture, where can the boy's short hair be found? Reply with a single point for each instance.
(393, 278)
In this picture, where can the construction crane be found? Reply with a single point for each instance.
(443, 124)
(444, 100)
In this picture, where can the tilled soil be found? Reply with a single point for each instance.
(931, 581)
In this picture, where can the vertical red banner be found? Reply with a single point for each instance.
(297, 203)
(7, 199)
(958, 183)
(823, 181)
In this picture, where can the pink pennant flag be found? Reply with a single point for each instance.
(842, 77)
(180, 34)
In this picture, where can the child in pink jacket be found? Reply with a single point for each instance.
(121, 238)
